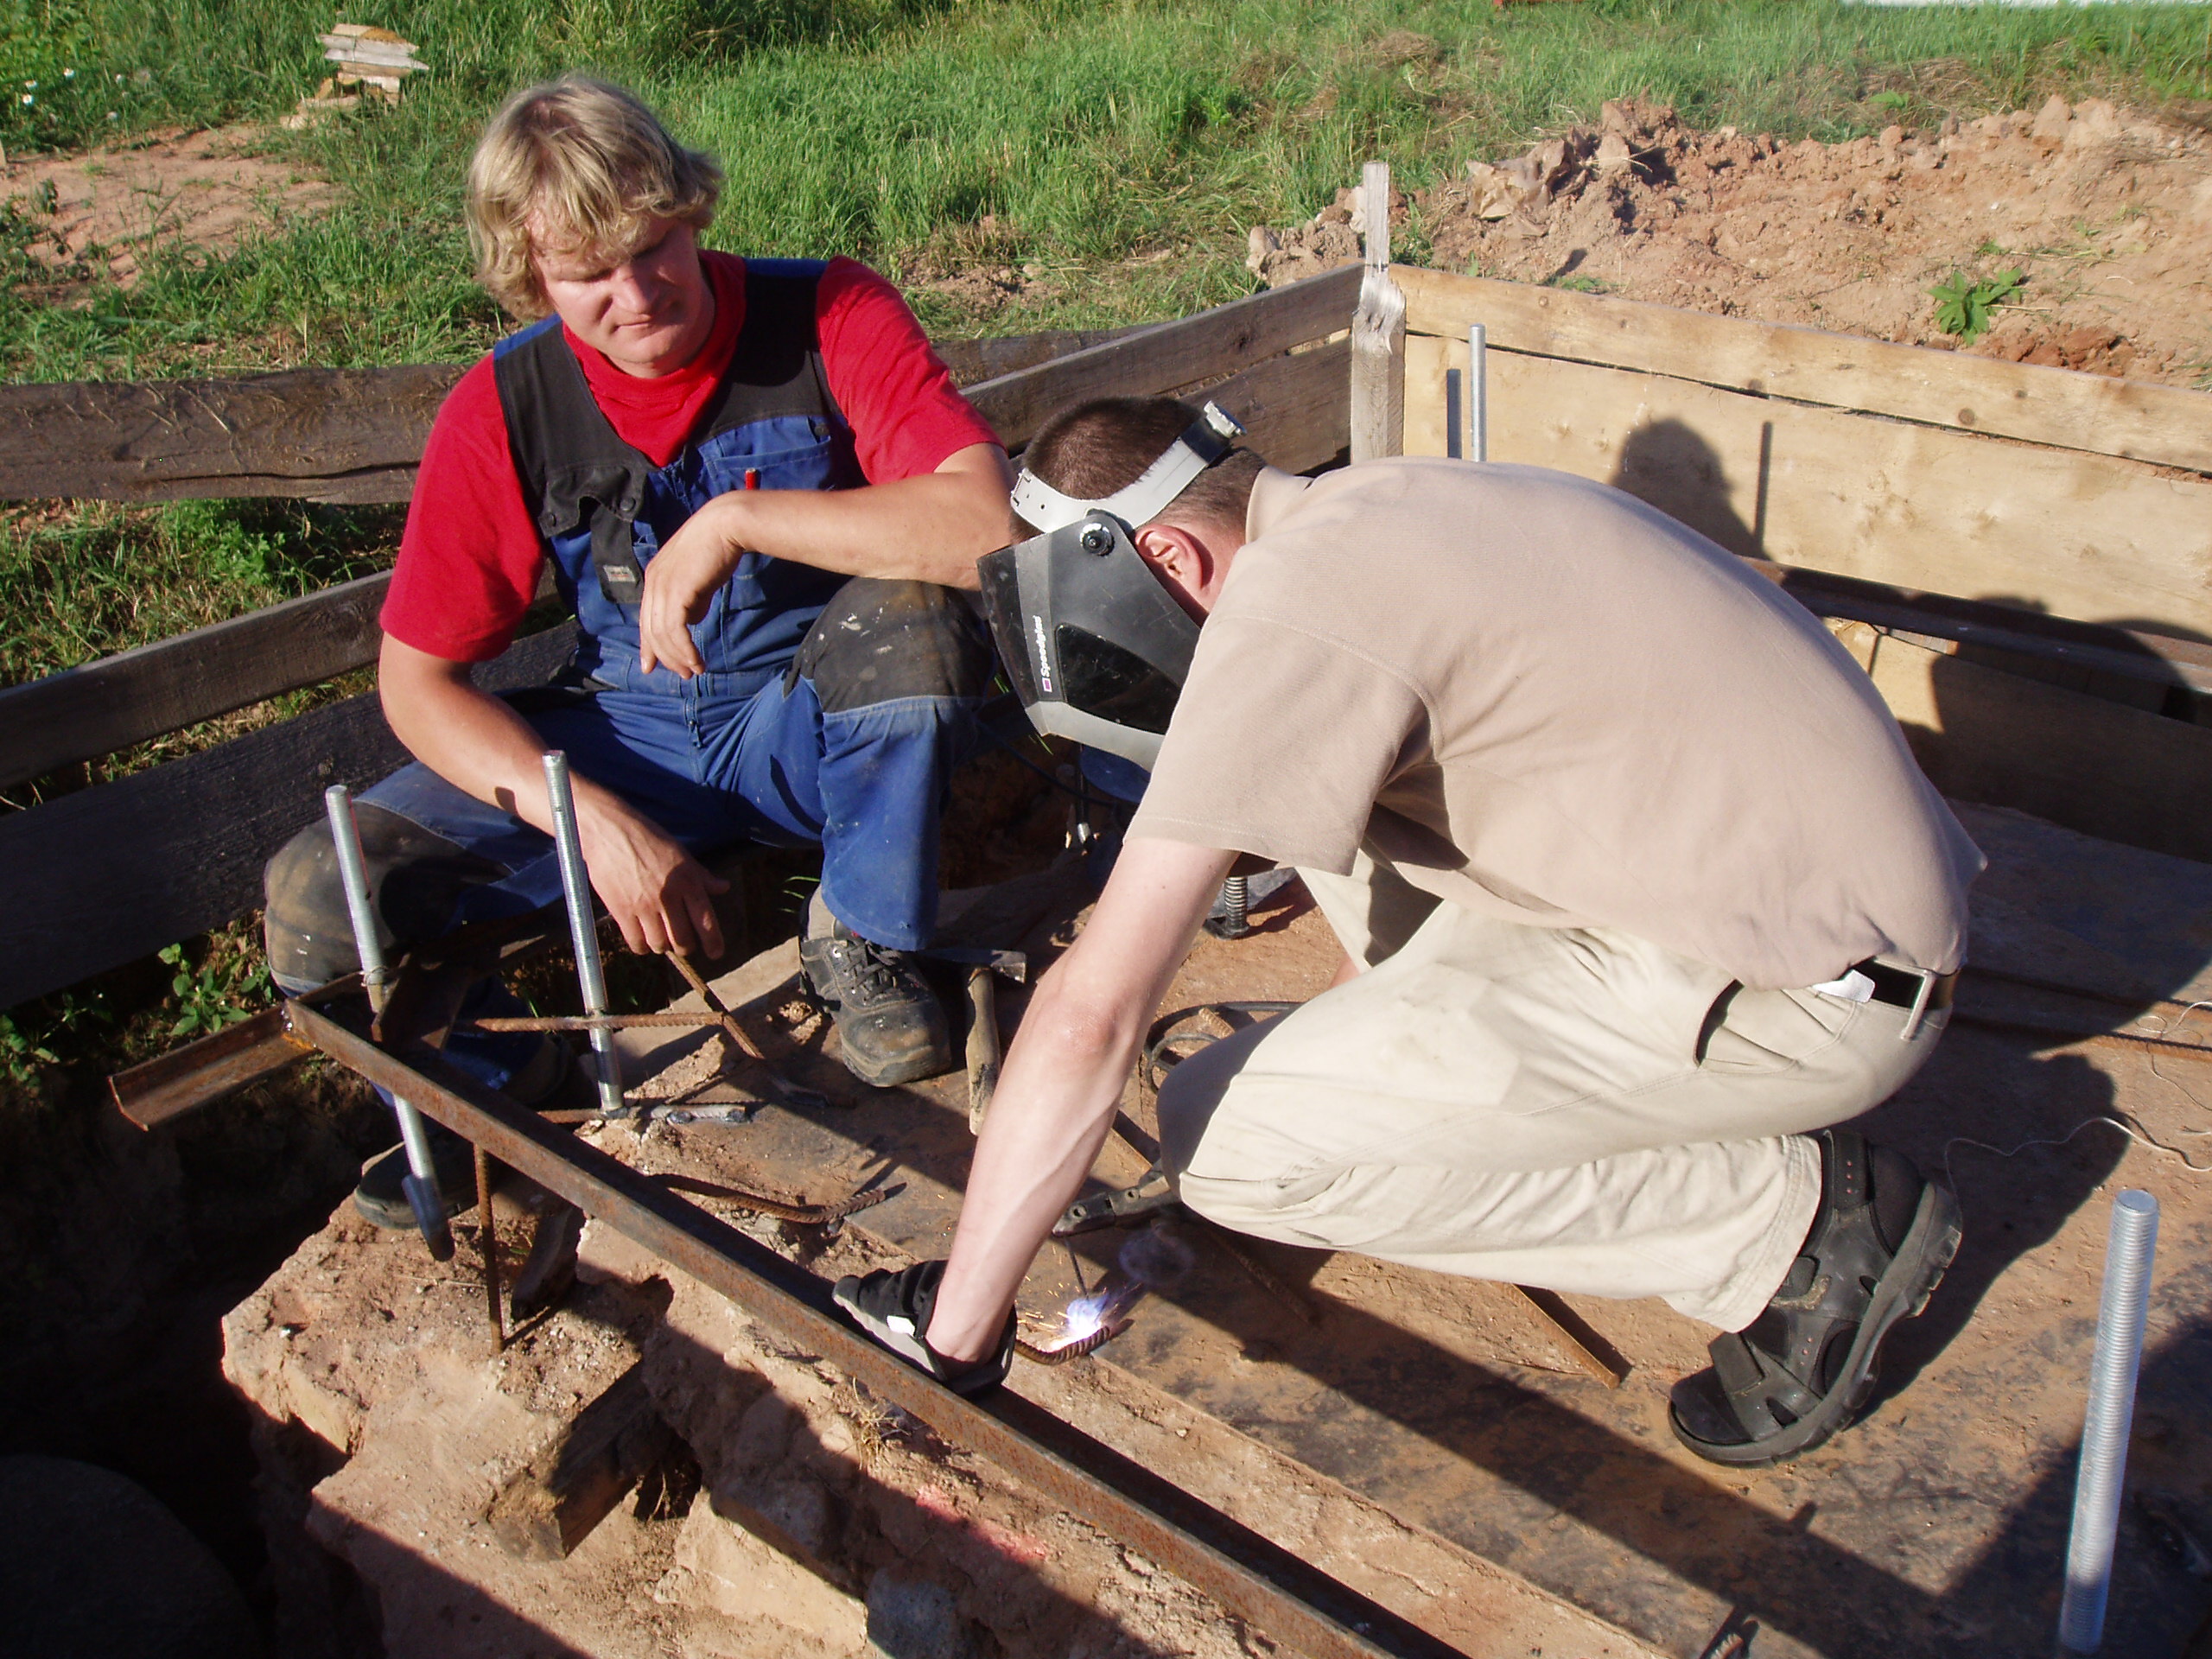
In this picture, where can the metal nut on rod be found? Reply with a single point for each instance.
(421, 1182)
(583, 932)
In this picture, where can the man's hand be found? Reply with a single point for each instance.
(894, 1308)
(658, 895)
(680, 583)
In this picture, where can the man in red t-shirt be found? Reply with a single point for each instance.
(756, 484)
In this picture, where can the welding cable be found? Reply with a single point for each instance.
(1159, 1056)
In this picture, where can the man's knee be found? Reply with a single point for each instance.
(879, 641)
(416, 879)
(1198, 1133)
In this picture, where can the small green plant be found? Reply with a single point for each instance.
(1579, 283)
(215, 992)
(1965, 307)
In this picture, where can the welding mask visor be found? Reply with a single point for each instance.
(1096, 647)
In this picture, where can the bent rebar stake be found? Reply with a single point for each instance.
(420, 1181)
(2119, 1356)
(583, 930)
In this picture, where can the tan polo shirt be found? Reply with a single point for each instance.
(1541, 698)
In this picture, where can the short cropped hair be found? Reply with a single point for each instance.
(591, 166)
(1097, 448)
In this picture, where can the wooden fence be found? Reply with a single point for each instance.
(107, 874)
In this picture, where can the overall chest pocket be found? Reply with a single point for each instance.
(795, 452)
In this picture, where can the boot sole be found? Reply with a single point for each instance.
(1930, 1245)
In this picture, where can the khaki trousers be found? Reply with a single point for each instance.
(1570, 1108)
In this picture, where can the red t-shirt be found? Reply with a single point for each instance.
(469, 560)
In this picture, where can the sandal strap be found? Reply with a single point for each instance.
(1754, 1383)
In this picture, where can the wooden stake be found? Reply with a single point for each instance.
(1378, 333)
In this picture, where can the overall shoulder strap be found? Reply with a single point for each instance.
(776, 367)
(573, 466)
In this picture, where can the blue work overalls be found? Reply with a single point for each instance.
(844, 734)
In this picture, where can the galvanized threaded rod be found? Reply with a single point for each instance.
(420, 1183)
(583, 930)
(2119, 1356)
(1477, 392)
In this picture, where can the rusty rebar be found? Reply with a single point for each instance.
(1068, 1350)
(488, 1240)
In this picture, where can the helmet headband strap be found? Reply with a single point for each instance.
(1205, 441)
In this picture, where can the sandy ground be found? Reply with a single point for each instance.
(2108, 213)
(106, 208)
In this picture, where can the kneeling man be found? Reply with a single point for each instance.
(1639, 887)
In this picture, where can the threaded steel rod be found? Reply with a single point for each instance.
(1477, 392)
(2112, 1370)
(583, 930)
(420, 1183)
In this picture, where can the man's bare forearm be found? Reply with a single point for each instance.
(1063, 1079)
(933, 528)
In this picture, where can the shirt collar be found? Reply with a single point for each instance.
(1274, 493)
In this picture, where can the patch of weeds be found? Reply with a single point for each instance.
(1579, 283)
(1965, 308)
(226, 984)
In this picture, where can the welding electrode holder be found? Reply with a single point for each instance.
(420, 1181)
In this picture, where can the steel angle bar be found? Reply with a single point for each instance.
(1294, 1602)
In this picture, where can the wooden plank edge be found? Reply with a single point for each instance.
(1442, 304)
(1181, 353)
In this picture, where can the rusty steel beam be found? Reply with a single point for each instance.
(176, 1083)
(1295, 1604)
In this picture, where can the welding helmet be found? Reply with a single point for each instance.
(1097, 648)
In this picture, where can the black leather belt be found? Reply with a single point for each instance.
(1911, 989)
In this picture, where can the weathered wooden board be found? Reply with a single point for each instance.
(106, 875)
(986, 357)
(331, 435)
(2093, 765)
(355, 435)
(1174, 354)
(114, 702)
(2060, 407)
(2081, 536)
(1294, 408)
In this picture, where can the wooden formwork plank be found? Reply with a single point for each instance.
(2061, 406)
(106, 875)
(1221, 341)
(2078, 535)
(348, 436)
(113, 701)
(2094, 765)
(328, 434)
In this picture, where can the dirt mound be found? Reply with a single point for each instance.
(104, 209)
(2108, 211)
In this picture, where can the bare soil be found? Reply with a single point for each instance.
(103, 210)
(2106, 211)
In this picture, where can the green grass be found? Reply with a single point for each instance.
(1120, 150)
(1115, 153)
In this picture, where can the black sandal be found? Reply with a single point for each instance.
(1877, 1248)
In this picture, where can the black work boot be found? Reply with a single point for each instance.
(547, 1079)
(888, 1021)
